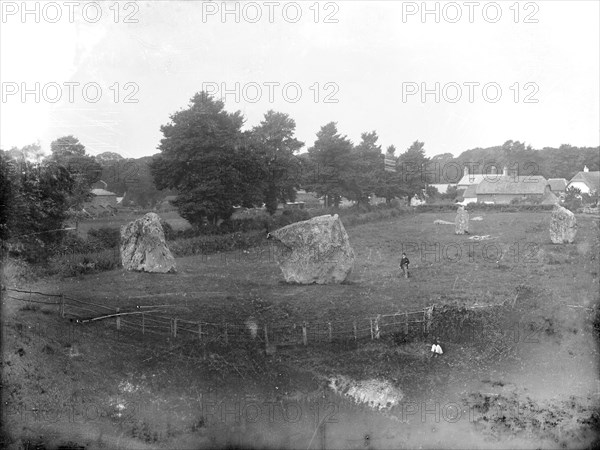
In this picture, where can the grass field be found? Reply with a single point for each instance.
(167, 386)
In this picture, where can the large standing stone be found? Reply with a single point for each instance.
(314, 251)
(563, 226)
(143, 246)
(461, 222)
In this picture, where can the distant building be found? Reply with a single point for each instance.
(504, 189)
(442, 188)
(557, 185)
(587, 182)
(102, 201)
(469, 179)
(308, 198)
(470, 195)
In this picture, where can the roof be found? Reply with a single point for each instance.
(549, 199)
(472, 178)
(591, 179)
(470, 192)
(102, 192)
(557, 184)
(522, 185)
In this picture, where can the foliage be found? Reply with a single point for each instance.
(330, 163)
(411, 167)
(573, 199)
(274, 145)
(204, 159)
(562, 162)
(132, 179)
(450, 194)
(367, 169)
(70, 265)
(68, 152)
(107, 237)
(34, 206)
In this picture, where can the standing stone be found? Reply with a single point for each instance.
(563, 226)
(461, 222)
(314, 251)
(143, 246)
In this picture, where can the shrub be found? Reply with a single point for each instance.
(168, 230)
(84, 263)
(106, 237)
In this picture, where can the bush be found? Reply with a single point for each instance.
(205, 245)
(106, 237)
(168, 230)
(289, 216)
(84, 263)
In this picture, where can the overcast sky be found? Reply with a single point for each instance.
(360, 64)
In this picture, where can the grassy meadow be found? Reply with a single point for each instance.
(155, 391)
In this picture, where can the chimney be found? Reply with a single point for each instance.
(466, 171)
(505, 171)
(585, 169)
(493, 170)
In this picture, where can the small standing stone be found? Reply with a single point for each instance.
(462, 221)
(563, 226)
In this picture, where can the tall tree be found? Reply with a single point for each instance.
(275, 145)
(412, 165)
(331, 159)
(35, 202)
(204, 158)
(389, 184)
(70, 153)
(367, 168)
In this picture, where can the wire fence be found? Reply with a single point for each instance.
(152, 321)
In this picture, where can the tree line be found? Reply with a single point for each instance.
(212, 165)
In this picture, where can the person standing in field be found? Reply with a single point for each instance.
(404, 262)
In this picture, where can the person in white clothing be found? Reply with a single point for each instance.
(436, 349)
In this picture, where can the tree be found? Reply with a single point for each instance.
(367, 168)
(68, 152)
(107, 158)
(204, 157)
(432, 192)
(31, 152)
(331, 161)
(412, 166)
(35, 202)
(67, 146)
(275, 145)
(389, 182)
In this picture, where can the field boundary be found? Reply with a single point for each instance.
(150, 320)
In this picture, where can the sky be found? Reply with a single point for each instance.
(489, 72)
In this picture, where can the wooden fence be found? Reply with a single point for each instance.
(150, 320)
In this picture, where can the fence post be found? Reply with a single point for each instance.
(355, 330)
(62, 305)
(118, 319)
(377, 326)
(200, 331)
(143, 324)
(174, 327)
(330, 332)
(304, 336)
(371, 320)
(406, 323)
